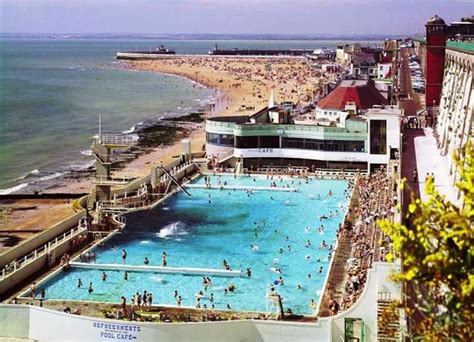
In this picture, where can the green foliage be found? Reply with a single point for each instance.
(436, 247)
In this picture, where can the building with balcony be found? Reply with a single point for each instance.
(273, 138)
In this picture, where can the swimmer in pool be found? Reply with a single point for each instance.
(90, 288)
(125, 276)
(79, 283)
(146, 261)
(104, 276)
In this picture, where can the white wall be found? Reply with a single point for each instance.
(383, 69)
(378, 280)
(301, 154)
(393, 137)
(332, 115)
(49, 325)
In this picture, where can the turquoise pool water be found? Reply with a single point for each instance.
(196, 233)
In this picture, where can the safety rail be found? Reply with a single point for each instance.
(222, 156)
(19, 263)
(316, 172)
(117, 139)
(106, 180)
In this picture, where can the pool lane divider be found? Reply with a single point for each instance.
(159, 269)
(240, 187)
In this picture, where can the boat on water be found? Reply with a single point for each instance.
(259, 52)
(134, 55)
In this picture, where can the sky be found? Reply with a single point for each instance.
(227, 16)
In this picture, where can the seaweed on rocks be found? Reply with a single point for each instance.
(160, 134)
(196, 117)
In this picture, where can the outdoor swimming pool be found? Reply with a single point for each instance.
(211, 225)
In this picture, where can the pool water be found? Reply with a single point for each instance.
(212, 225)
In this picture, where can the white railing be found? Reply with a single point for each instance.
(19, 263)
(114, 179)
(117, 139)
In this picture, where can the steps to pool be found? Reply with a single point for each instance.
(159, 269)
(240, 187)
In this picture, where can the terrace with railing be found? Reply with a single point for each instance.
(72, 235)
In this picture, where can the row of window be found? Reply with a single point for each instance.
(274, 142)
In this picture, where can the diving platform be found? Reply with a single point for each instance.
(158, 269)
(240, 187)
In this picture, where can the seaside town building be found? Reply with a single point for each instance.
(351, 128)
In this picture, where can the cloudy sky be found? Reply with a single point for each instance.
(227, 16)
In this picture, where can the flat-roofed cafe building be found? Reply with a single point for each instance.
(351, 128)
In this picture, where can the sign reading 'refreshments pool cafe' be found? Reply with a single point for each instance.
(121, 332)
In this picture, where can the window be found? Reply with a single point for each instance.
(324, 145)
(212, 138)
(227, 140)
(378, 136)
(246, 142)
(269, 142)
(220, 139)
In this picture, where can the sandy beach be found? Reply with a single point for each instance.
(243, 86)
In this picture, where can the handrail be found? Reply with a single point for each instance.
(19, 263)
(116, 139)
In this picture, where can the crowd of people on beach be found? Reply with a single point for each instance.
(293, 78)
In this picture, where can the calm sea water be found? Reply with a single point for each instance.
(52, 92)
(196, 233)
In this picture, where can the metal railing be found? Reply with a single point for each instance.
(19, 263)
(117, 139)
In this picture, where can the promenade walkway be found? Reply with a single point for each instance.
(421, 152)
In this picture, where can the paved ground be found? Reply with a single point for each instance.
(421, 152)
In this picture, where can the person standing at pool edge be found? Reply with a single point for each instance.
(124, 256)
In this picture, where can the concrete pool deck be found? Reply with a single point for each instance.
(159, 269)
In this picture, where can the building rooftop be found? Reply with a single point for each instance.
(362, 92)
(435, 20)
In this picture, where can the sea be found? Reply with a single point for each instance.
(53, 91)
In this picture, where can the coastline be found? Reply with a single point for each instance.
(241, 87)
